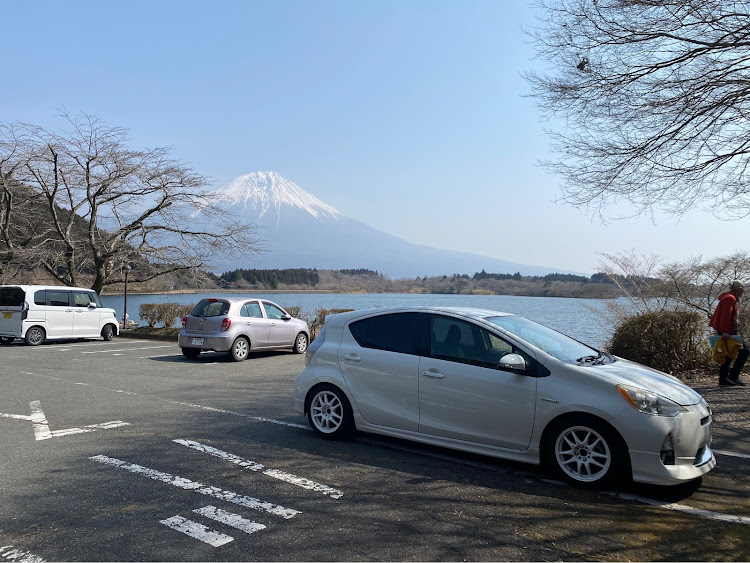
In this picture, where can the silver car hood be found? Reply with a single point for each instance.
(648, 379)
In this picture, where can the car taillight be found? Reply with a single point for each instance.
(317, 343)
(225, 324)
(184, 322)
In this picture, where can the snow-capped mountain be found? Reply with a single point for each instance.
(259, 193)
(298, 230)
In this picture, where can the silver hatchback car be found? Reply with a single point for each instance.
(239, 326)
(501, 385)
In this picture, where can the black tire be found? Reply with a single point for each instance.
(108, 333)
(240, 349)
(300, 343)
(329, 412)
(35, 336)
(586, 451)
(190, 353)
(6, 340)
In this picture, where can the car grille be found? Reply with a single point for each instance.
(699, 456)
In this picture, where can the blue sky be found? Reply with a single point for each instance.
(407, 115)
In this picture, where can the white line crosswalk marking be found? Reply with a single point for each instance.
(230, 519)
(189, 485)
(197, 531)
(254, 466)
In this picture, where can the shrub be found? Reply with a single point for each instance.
(670, 341)
(164, 313)
(295, 311)
(316, 322)
(147, 312)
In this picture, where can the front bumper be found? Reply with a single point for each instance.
(691, 438)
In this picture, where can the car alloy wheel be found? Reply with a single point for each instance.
(329, 413)
(583, 454)
(300, 345)
(35, 336)
(240, 349)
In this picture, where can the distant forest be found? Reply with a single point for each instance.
(363, 280)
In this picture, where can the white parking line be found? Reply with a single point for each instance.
(189, 485)
(9, 553)
(710, 514)
(106, 351)
(230, 519)
(732, 454)
(197, 531)
(254, 466)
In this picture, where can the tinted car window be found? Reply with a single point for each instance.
(251, 310)
(396, 332)
(208, 308)
(11, 296)
(58, 298)
(39, 297)
(461, 341)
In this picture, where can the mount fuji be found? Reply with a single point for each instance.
(297, 230)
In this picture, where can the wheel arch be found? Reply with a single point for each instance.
(579, 417)
(321, 384)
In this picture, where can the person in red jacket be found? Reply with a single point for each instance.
(724, 322)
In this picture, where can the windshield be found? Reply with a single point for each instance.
(554, 343)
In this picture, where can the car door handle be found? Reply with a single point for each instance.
(352, 357)
(433, 373)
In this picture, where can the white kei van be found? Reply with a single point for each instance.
(40, 312)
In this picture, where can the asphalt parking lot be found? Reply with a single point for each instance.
(127, 451)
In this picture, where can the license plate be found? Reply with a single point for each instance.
(197, 342)
(7, 315)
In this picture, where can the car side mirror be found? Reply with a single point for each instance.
(92, 305)
(513, 362)
(286, 317)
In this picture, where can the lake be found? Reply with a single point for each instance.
(580, 318)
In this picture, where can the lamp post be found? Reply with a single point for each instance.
(125, 270)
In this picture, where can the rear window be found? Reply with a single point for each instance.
(210, 308)
(11, 296)
(396, 332)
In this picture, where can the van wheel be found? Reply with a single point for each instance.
(6, 340)
(330, 413)
(240, 349)
(190, 353)
(35, 336)
(108, 333)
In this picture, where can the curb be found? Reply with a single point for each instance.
(146, 336)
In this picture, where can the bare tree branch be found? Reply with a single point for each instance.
(655, 99)
(105, 205)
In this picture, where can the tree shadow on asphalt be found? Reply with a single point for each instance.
(402, 501)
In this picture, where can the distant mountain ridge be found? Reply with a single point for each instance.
(299, 230)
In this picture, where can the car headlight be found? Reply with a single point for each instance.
(649, 403)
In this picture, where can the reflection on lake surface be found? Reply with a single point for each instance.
(575, 317)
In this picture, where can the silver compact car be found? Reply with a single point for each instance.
(501, 385)
(240, 326)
